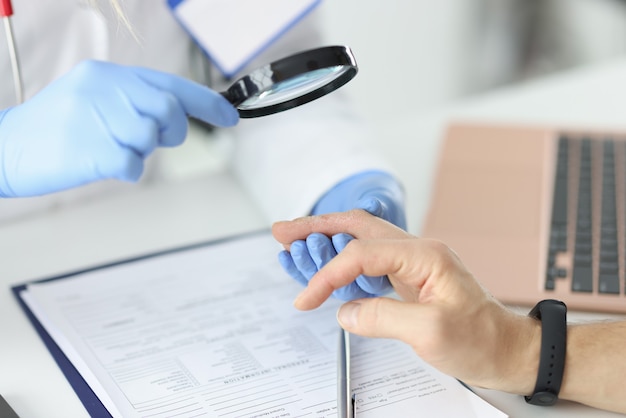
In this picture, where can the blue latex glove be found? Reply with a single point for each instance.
(99, 121)
(374, 191)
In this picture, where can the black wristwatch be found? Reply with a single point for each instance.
(553, 316)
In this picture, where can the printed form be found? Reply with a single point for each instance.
(211, 331)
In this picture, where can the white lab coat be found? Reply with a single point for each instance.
(285, 161)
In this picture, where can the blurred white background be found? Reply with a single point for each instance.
(419, 54)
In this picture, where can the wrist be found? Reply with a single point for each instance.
(519, 359)
(593, 375)
(577, 370)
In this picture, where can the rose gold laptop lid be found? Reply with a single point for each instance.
(492, 203)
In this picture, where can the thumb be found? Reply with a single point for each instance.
(379, 318)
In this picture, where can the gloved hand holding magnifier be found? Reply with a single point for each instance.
(292, 81)
(100, 120)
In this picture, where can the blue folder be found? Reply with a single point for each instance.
(82, 389)
(90, 400)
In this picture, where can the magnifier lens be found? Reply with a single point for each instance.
(292, 88)
(292, 81)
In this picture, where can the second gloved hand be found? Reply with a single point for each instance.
(373, 191)
(99, 121)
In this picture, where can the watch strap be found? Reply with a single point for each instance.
(553, 316)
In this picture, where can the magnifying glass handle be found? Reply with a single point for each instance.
(234, 94)
(227, 97)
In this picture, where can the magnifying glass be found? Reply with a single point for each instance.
(292, 81)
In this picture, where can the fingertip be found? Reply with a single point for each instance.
(341, 240)
(372, 205)
(277, 224)
(301, 302)
(298, 247)
(348, 315)
(311, 297)
(277, 231)
(382, 318)
(229, 115)
(130, 170)
(223, 113)
(286, 262)
(284, 258)
(316, 240)
(320, 249)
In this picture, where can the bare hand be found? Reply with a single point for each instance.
(445, 314)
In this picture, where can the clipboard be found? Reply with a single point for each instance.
(88, 398)
(233, 32)
(279, 328)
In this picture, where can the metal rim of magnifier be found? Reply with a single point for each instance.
(265, 77)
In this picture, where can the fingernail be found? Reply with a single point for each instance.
(348, 315)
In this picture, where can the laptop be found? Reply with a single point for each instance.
(535, 212)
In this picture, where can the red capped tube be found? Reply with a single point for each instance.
(5, 8)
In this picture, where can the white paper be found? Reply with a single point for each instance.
(233, 32)
(211, 331)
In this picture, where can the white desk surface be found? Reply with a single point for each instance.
(175, 214)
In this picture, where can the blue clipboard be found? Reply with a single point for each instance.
(89, 399)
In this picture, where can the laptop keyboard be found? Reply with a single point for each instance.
(588, 216)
